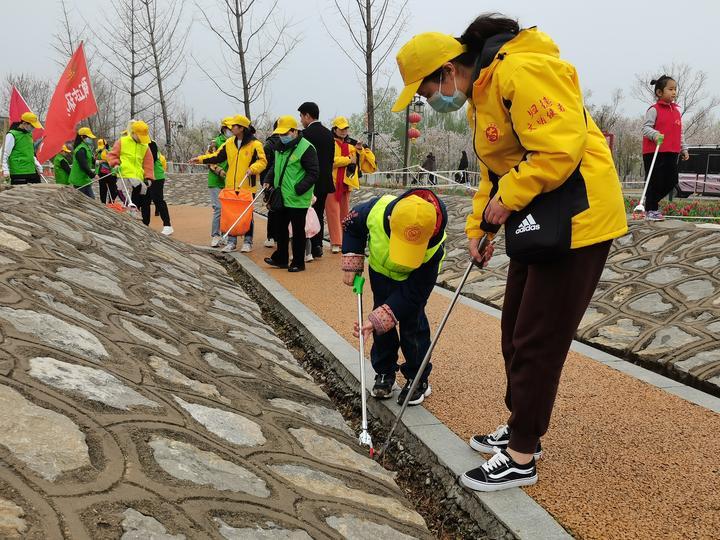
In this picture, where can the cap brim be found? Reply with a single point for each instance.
(406, 254)
(343, 126)
(36, 125)
(281, 131)
(144, 139)
(406, 96)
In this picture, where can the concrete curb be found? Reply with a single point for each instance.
(506, 513)
(688, 393)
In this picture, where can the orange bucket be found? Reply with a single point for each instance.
(232, 204)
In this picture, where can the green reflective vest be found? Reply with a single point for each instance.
(214, 181)
(294, 174)
(132, 155)
(77, 175)
(158, 168)
(379, 243)
(22, 158)
(61, 177)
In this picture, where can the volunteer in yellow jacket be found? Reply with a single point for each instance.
(548, 176)
(345, 177)
(246, 159)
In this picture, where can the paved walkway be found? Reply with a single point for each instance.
(623, 459)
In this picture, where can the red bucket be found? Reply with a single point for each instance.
(232, 205)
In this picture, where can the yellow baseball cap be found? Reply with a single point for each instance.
(412, 224)
(141, 129)
(340, 122)
(86, 132)
(101, 143)
(31, 119)
(285, 124)
(241, 120)
(227, 121)
(65, 148)
(420, 57)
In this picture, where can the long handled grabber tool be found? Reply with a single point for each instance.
(426, 359)
(639, 210)
(364, 438)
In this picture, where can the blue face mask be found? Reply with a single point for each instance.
(447, 104)
(286, 139)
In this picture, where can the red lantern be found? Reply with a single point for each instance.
(415, 118)
(413, 133)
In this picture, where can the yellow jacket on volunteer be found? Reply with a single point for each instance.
(532, 133)
(250, 156)
(365, 160)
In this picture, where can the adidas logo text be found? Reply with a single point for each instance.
(528, 224)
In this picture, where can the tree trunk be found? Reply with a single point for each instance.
(370, 101)
(241, 55)
(163, 104)
(132, 59)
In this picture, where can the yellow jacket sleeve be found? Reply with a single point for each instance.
(261, 163)
(213, 154)
(340, 160)
(473, 222)
(368, 164)
(548, 117)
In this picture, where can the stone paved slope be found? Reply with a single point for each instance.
(143, 396)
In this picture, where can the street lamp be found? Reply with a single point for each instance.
(417, 106)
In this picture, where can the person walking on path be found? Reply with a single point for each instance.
(429, 165)
(323, 141)
(246, 160)
(548, 175)
(295, 172)
(107, 181)
(216, 179)
(61, 165)
(406, 240)
(154, 193)
(662, 126)
(463, 167)
(18, 160)
(133, 161)
(82, 171)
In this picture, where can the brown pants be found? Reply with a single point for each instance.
(544, 304)
(335, 212)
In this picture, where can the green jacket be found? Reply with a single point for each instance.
(214, 181)
(301, 173)
(61, 175)
(22, 158)
(79, 175)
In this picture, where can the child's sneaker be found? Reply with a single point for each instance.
(308, 257)
(422, 391)
(497, 440)
(500, 472)
(335, 249)
(215, 241)
(384, 386)
(654, 215)
(228, 248)
(269, 243)
(247, 248)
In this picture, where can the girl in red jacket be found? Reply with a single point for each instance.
(663, 126)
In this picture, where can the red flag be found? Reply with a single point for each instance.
(72, 102)
(18, 106)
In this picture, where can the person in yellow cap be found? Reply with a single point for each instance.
(106, 179)
(405, 238)
(61, 165)
(133, 162)
(216, 179)
(293, 177)
(549, 177)
(18, 160)
(245, 159)
(82, 171)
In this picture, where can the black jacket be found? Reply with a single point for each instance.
(323, 141)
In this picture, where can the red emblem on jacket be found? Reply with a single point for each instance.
(492, 133)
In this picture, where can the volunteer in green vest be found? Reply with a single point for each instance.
(216, 179)
(154, 194)
(61, 165)
(18, 160)
(82, 171)
(405, 237)
(295, 173)
(133, 160)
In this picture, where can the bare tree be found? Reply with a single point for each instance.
(35, 90)
(67, 37)
(166, 45)
(374, 27)
(606, 115)
(695, 102)
(259, 42)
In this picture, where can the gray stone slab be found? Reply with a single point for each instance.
(138, 526)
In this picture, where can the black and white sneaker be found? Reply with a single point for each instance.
(500, 472)
(422, 391)
(384, 386)
(497, 440)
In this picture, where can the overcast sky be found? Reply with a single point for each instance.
(609, 41)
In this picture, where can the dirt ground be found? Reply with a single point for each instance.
(622, 459)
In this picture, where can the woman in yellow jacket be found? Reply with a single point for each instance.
(548, 176)
(246, 161)
(348, 153)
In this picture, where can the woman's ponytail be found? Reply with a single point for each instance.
(485, 26)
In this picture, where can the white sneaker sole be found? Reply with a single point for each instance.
(486, 449)
(422, 397)
(477, 485)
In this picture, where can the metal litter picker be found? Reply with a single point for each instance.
(426, 360)
(364, 438)
(640, 208)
